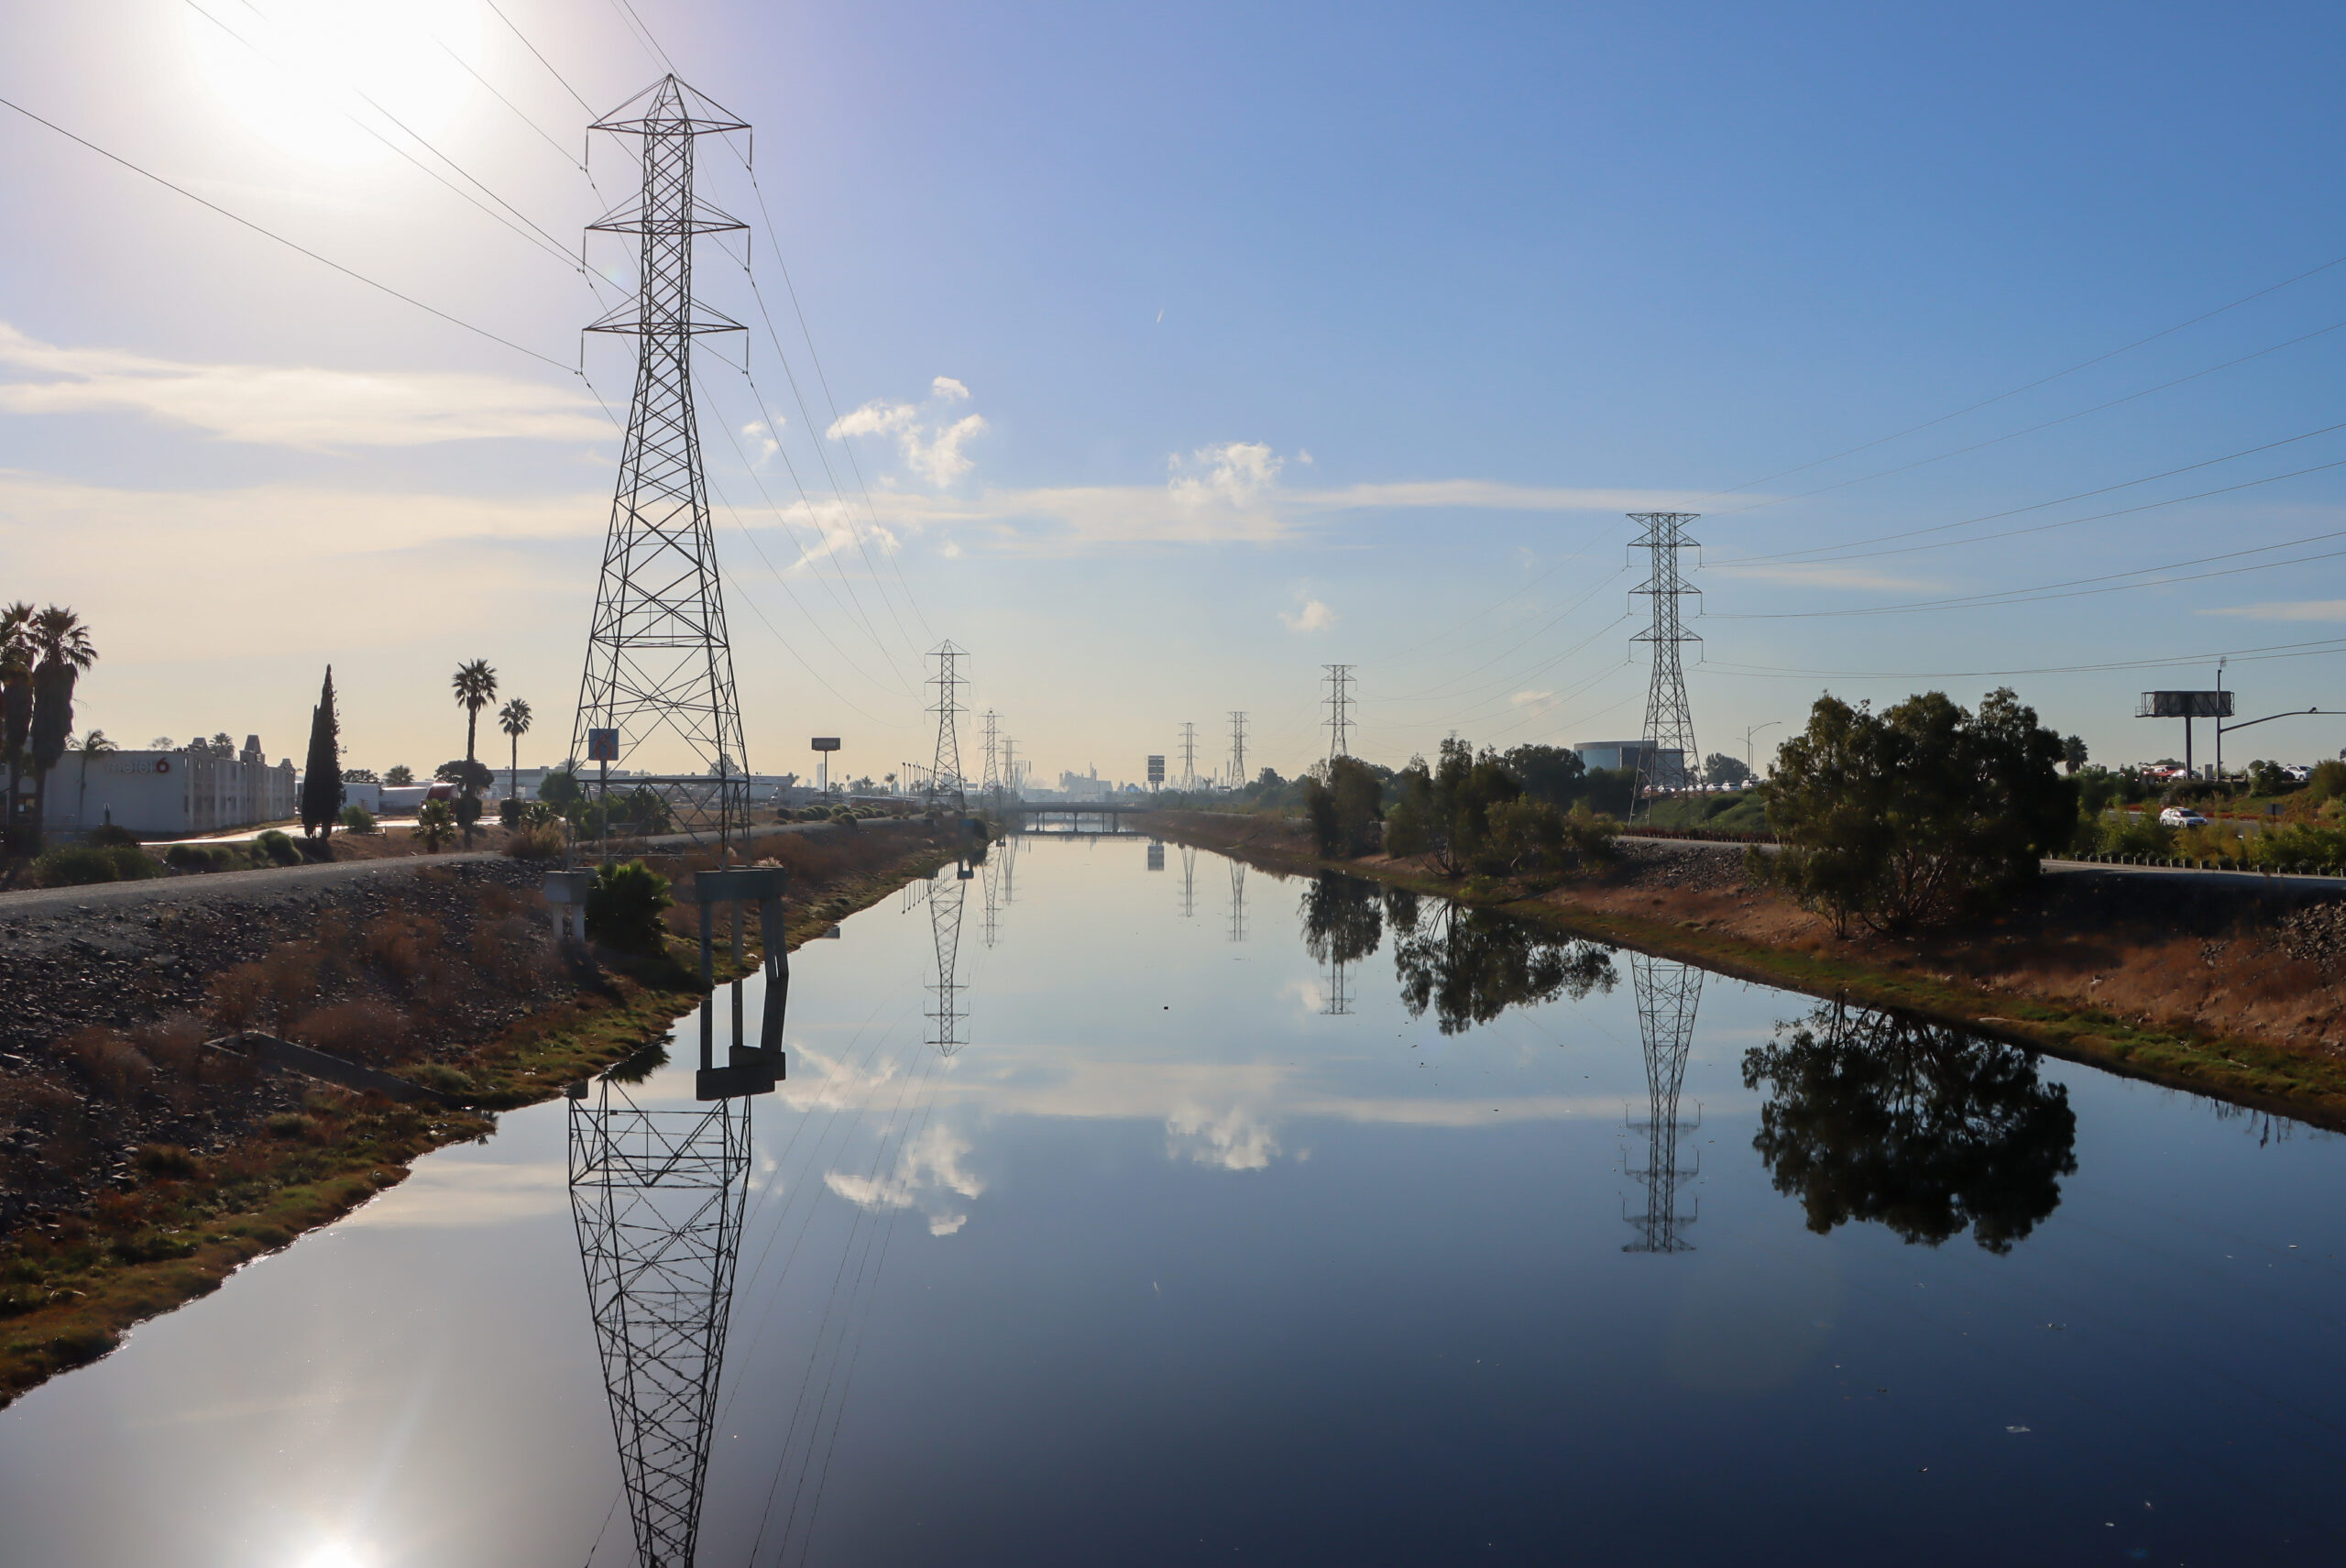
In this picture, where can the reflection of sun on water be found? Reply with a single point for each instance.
(300, 81)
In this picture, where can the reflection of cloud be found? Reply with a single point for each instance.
(832, 1084)
(450, 1195)
(930, 1166)
(1234, 1140)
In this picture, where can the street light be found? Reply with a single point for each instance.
(1747, 734)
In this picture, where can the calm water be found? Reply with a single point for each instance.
(1262, 1221)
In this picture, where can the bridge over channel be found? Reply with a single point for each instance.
(1071, 816)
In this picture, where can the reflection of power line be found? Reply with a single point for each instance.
(945, 898)
(1667, 995)
(1237, 900)
(657, 1199)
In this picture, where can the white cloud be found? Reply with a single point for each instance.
(1232, 475)
(931, 451)
(301, 406)
(2291, 610)
(1532, 700)
(764, 436)
(928, 1168)
(1312, 614)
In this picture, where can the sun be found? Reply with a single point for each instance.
(300, 75)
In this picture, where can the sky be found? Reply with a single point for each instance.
(1161, 355)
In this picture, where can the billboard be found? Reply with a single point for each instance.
(825, 742)
(1156, 771)
(2185, 705)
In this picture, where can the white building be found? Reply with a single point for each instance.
(169, 794)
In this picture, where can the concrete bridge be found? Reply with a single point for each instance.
(1069, 815)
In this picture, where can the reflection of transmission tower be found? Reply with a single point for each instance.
(1340, 997)
(991, 783)
(1340, 710)
(1189, 883)
(1668, 757)
(945, 774)
(1237, 900)
(1238, 748)
(657, 1197)
(1667, 995)
(1189, 755)
(945, 896)
(659, 663)
(988, 879)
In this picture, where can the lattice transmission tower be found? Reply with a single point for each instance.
(1238, 748)
(657, 1197)
(1668, 758)
(991, 783)
(658, 664)
(945, 774)
(1189, 755)
(1340, 710)
(1667, 995)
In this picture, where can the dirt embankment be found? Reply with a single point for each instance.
(138, 1165)
(2239, 991)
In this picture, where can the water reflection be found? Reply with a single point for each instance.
(1471, 965)
(946, 894)
(1342, 926)
(657, 1197)
(1667, 995)
(1237, 900)
(1921, 1128)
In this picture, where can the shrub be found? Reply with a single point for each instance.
(625, 906)
(436, 825)
(164, 1160)
(279, 848)
(440, 1076)
(113, 1066)
(209, 857)
(543, 842)
(2328, 781)
(509, 812)
(111, 835)
(78, 865)
(356, 819)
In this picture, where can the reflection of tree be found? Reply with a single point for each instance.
(1341, 924)
(1471, 965)
(1924, 1129)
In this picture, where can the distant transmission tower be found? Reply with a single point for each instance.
(659, 672)
(1010, 765)
(945, 774)
(1667, 995)
(1340, 710)
(992, 783)
(1669, 757)
(1189, 755)
(1238, 748)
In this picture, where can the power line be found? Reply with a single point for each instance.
(2320, 647)
(542, 60)
(289, 245)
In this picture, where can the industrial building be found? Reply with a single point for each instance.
(166, 794)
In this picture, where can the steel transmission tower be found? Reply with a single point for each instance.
(1340, 710)
(945, 898)
(991, 783)
(1667, 995)
(1669, 759)
(1010, 765)
(1238, 748)
(657, 1199)
(945, 774)
(1189, 755)
(659, 666)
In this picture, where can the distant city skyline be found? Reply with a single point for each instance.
(1168, 355)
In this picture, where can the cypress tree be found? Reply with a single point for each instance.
(322, 779)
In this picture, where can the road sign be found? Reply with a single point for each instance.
(602, 745)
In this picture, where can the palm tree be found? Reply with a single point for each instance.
(16, 703)
(514, 720)
(62, 644)
(94, 744)
(476, 687)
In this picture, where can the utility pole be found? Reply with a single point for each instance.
(945, 774)
(1189, 755)
(1340, 710)
(1669, 755)
(1238, 747)
(659, 666)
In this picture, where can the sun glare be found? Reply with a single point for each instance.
(334, 1554)
(300, 73)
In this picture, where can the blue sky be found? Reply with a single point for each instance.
(1182, 350)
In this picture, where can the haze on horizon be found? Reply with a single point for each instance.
(1166, 354)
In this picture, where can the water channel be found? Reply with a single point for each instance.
(1124, 1205)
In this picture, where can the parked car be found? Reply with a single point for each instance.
(2181, 817)
(2296, 772)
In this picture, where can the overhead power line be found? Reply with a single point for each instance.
(243, 221)
(2327, 645)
